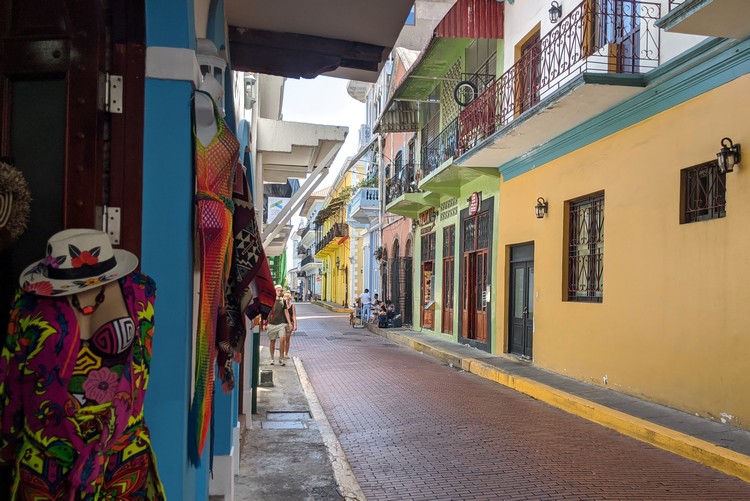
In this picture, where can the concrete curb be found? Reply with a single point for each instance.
(342, 471)
(695, 449)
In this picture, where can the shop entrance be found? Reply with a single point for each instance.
(54, 128)
(476, 236)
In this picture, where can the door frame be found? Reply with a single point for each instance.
(488, 206)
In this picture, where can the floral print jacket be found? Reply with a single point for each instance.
(36, 366)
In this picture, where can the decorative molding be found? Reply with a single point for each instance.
(171, 63)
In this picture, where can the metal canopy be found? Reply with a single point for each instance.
(341, 38)
(466, 21)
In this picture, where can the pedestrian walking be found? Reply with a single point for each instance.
(292, 326)
(278, 320)
(366, 304)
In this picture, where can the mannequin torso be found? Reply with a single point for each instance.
(113, 307)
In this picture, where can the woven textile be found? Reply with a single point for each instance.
(250, 289)
(214, 167)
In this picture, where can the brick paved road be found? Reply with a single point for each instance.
(416, 429)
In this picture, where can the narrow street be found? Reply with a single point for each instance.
(415, 428)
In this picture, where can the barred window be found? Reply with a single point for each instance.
(586, 249)
(703, 192)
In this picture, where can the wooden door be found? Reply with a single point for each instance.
(427, 301)
(481, 271)
(529, 73)
(77, 158)
(468, 297)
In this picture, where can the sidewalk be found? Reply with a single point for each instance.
(719, 446)
(289, 450)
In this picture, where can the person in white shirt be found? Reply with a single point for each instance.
(364, 298)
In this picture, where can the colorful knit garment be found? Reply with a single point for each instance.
(214, 166)
(72, 411)
(250, 289)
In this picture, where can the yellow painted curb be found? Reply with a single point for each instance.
(695, 449)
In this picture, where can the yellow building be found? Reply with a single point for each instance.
(637, 275)
(332, 243)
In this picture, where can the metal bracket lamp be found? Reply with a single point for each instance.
(555, 12)
(541, 207)
(338, 263)
(729, 156)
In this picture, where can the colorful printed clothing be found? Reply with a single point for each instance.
(72, 411)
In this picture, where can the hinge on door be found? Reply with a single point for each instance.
(111, 223)
(112, 93)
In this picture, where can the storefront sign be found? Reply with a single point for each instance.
(475, 203)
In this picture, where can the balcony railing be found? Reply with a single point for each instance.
(613, 36)
(338, 230)
(307, 260)
(364, 198)
(403, 181)
(440, 149)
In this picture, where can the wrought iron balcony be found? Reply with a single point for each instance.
(404, 180)
(610, 36)
(307, 260)
(440, 149)
(338, 230)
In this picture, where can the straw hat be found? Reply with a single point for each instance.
(77, 260)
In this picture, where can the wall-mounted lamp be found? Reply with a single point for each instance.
(540, 208)
(338, 263)
(729, 156)
(555, 12)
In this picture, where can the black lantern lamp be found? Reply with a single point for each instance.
(729, 156)
(540, 208)
(338, 263)
(555, 12)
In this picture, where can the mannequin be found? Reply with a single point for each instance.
(205, 118)
(80, 335)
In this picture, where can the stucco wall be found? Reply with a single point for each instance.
(673, 323)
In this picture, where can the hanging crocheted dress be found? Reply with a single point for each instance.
(214, 165)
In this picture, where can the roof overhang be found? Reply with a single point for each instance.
(466, 21)
(402, 110)
(294, 149)
(711, 18)
(340, 38)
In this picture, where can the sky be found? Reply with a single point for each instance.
(324, 100)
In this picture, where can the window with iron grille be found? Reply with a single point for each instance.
(703, 192)
(428, 247)
(586, 249)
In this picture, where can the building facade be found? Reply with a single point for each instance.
(602, 117)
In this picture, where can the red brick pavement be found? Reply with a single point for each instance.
(414, 428)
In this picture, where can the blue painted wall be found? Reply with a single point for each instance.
(167, 251)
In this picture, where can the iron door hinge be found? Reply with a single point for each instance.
(113, 93)
(111, 223)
